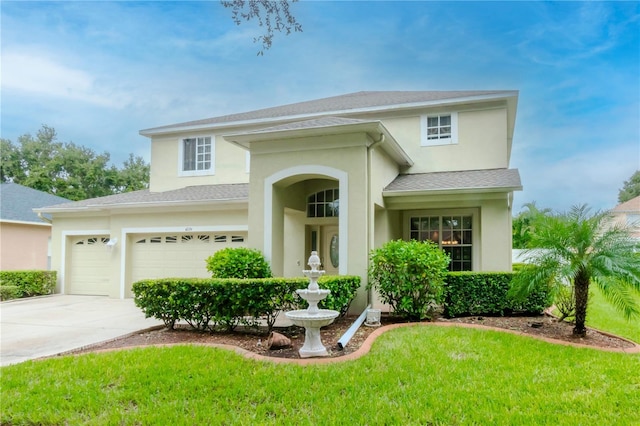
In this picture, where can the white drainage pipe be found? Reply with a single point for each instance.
(352, 330)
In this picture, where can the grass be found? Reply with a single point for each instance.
(603, 316)
(414, 375)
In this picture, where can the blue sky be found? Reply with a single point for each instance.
(98, 72)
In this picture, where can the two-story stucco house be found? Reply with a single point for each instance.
(340, 175)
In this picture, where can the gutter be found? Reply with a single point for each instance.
(44, 218)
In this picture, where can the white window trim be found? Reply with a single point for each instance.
(210, 171)
(424, 141)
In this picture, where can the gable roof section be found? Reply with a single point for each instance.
(17, 203)
(191, 195)
(491, 180)
(630, 206)
(326, 126)
(337, 105)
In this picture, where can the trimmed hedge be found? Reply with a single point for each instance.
(487, 293)
(16, 284)
(218, 302)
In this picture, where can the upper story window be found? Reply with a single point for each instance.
(439, 129)
(196, 155)
(324, 203)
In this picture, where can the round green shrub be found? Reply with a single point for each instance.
(238, 263)
(409, 276)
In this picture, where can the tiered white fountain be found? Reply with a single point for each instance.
(312, 318)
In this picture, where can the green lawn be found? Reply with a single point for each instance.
(603, 316)
(413, 375)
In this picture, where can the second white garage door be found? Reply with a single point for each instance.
(177, 255)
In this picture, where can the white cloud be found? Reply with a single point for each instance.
(39, 75)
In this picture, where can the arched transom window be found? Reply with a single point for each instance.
(324, 203)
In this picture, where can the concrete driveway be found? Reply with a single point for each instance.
(49, 325)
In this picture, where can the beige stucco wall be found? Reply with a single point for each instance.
(345, 154)
(491, 224)
(207, 218)
(230, 163)
(482, 142)
(24, 246)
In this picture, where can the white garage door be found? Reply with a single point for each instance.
(178, 255)
(90, 270)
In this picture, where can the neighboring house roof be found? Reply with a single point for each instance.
(17, 203)
(343, 104)
(631, 206)
(458, 181)
(238, 192)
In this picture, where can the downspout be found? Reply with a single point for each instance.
(370, 207)
(352, 330)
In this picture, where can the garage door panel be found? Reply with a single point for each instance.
(89, 271)
(178, 255)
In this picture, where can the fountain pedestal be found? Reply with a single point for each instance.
(312, 318)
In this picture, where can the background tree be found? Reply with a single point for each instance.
(630, 189)
(523, 225)
(581, 249)
(271, 15)
(66, 169)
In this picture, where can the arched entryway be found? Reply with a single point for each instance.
(306, 208)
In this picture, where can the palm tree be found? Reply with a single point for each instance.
(523, 225)
(580, 248)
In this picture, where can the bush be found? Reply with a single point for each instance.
(409, 276)
(28, 283)
(216, 302)
(238, 263)
(8, 292)
(343, 290)
(488, 293)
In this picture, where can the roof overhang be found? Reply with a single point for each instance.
(461, 183)
(376, 131)
(23, 222)
(510, 96)
(219, 203)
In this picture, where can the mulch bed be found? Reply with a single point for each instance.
(256, 341)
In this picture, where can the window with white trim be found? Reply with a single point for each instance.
(453, 234)
(196, 155)
(439, 129)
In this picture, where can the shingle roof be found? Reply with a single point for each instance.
(17, 202)
(491, 179)
(343, 103)
(314, 124)
(190, 194)
(633, 205)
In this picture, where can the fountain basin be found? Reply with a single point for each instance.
(312, 322)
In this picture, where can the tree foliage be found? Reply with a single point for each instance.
(273, 16)
(66, 169)
(580, 249)
(630, 189)
(523, 225)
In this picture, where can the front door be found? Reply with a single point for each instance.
(329, 249)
